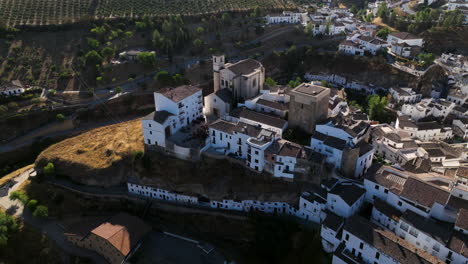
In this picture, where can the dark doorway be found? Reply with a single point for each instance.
(167, 131)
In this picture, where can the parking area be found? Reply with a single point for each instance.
(168, 249)
(191, 136)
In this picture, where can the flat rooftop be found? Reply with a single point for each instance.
(310, 89)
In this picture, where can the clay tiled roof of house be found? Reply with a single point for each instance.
(424, 193)
(123, 231)
(179, 93)
(404, 35)
(462, 172)
(290, 149)
(263, 118)
(350, 193)
(349, 43)
(386, 176)
(244, 67)
(225, 95)
(274, 105)
(386, 242)
(462, 219)
(333, 221)
(159, 116)
(387, 209)
(224, 126)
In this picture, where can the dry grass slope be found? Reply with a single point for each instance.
(98, 157)
(11, 175)
(98, 148)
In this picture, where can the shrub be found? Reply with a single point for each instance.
(60, 117)
(49, 169)
(32, 204)
(41, 211)
(138, 154)
(20, 196)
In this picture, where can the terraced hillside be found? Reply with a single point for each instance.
(47, 12)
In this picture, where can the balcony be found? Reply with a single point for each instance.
(181, 105)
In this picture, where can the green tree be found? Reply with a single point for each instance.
(383, 33)
(294, 83)
(226, 18)
(118, 89)
(147, 58)
(93, 58)
(164, 78)
(3, 109)
(197, 43)
(426, 59)
(60, 117)
(200, 31)
(270, 82)
(107, 53)
(98, 30)
(93, 43)
(20, 196)
(32, 204)
(41, 211)
(7, 226)
(156, 38)
(49, 169)
(376, 108)
(308, 28)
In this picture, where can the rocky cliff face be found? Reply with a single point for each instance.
(424, 84)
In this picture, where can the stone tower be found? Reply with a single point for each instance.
(307, 106)
(218, 64)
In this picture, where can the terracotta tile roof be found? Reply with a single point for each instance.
(404, 35)
(263, 118)
(159, 116)
(179, 93)
(386, 242)
(123, 231)
(462, 219)
(244, 67)
(349, 193)
(424, 193)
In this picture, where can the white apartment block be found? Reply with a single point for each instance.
(405, 95)
(428, 107)
(343, 145)
(286, 17)
(423, 130)
(175, 108)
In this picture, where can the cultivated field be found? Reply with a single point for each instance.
(48, 12)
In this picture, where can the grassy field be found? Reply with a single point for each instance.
(48, 12)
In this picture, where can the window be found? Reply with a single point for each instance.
(347, 237)
(386, 191)
(414, 232)
(404, 227)
(149, 125)
(400, 203)
(256, 161)
(256, 152)
(377, 255)
(361, 245)
(376, 187)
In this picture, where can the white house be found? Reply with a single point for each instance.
(371, 44)
(437, 238)
(365, 242)
(345, 199)
(341, 141)
(175, 108)
(405, 95)
(460, 127)
(404, 37)
(351, 48)
(218, 104)
(423, 130)
(287, 17)
(12, 89)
